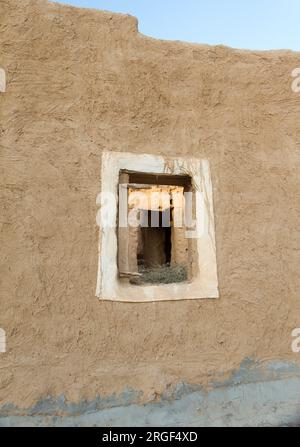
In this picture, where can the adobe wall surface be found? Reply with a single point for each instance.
(80, 82)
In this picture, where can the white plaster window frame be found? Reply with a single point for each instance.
(2, 80)
(205, 284)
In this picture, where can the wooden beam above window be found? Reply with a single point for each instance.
(155, 179)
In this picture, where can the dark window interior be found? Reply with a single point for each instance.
(151, 260)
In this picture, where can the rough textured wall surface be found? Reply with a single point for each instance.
(83, 81)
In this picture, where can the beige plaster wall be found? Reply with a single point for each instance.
(80, 82)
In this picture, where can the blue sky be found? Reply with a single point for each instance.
(251, 24)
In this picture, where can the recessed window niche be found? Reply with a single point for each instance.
(160, 244)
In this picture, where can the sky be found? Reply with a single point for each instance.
(250, 24)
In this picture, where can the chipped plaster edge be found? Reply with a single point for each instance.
(255, 394)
